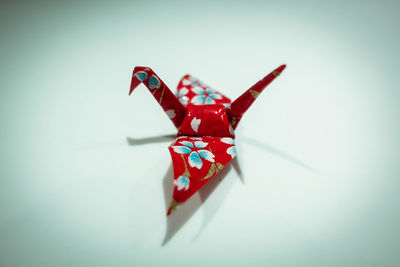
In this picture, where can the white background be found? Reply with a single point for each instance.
(86, 173)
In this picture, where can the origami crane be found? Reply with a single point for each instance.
(206, 120)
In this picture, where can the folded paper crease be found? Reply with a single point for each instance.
(205, 120)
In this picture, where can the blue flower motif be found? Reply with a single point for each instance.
(196, 153)
(232, 149)
(141, 75)
(182, 95)
(182, 182)
(205, 96)
(154, 82)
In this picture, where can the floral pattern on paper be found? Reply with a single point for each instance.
(204, 96)
(182, 182)
(182, 95)
(195, 123)
(196, 153)
(232, 149)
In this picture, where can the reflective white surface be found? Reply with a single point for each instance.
(86, 174)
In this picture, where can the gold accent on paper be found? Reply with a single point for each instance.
(220, 166)
(186, 172)
(172, 206)
(162, 94)
(254, 93)
(276, 73)
(211, 171)
(214, 169)
(233, 120)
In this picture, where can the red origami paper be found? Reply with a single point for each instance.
(205, 120)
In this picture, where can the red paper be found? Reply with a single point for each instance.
(205, 120)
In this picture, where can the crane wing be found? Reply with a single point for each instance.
(196, 160)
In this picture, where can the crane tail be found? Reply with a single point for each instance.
(243, 102)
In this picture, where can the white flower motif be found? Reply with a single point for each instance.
(182, 95)
(182, 182)
(195, 152)
(195, 123)
(204, 96)
(232, 149)
(171, 113)
(228, 140)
